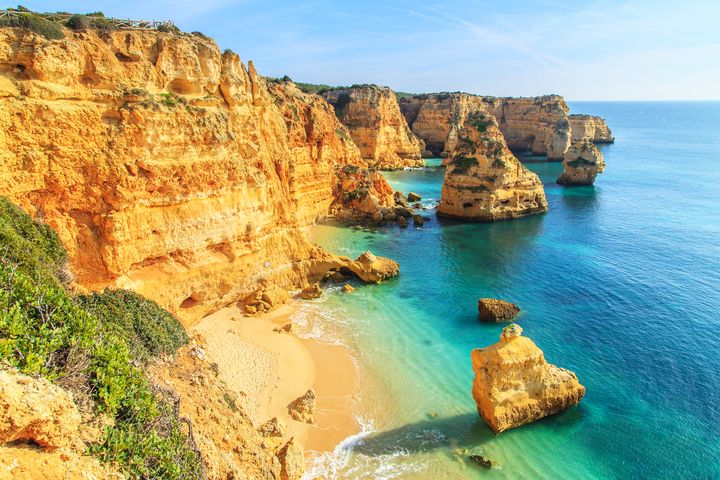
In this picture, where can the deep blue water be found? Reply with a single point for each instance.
(619, 282)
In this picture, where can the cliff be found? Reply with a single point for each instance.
(165, 166)
(484, 181)
(438, 118)
(514, 385)
(377, 126)
(590, 127)
(537, 124)
(582, 163)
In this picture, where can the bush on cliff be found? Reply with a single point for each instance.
(44, 331)
(34, 23)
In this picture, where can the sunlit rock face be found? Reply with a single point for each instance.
(377, 126)
(536, 124)
(590, 127)
(583, 162)
(164, 165)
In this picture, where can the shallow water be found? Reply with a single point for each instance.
(619, 282)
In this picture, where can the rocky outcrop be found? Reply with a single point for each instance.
(377, 126)
(514, 385)
(303, 408)
(590, 127)
(494, 310)
(583, 162)
(537, 124)
(438, 118)
(312, 291)
(484, 181)
(165, 166)
(42, 434)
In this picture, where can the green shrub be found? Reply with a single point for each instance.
(312, 87)
(146, 327)
(499, 163)
(78, 22)
(462, 164)
(44, 331)
(34, 247)
(35, 23)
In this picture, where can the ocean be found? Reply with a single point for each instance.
(618, 282)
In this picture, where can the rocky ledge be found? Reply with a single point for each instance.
(515, 385)
(583, 162)
(483, 180)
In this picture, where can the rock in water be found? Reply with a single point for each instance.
(493, 310)
(413, 197)
(482, 461)
(514, 385)
(312, 291)
(583, 161)
(302, 408)
(347, 288)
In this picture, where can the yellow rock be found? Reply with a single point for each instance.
(514, 385)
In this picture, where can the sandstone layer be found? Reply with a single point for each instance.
(377, 126)
(166, 166)
(590, 127)
(536, 124)
(583, 162)
(483, 180)
(515, 385)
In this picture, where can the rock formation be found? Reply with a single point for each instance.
(302, 408)
(590, 127)
(312, 291)
(377, 126)
(583, 161)
(42, 434)
(514, 385)
(493, 310)
(537, 124)
(438, 118)
(165, 166)
(483, 180)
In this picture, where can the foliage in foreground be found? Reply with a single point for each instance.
(87, 346)
(34, 23)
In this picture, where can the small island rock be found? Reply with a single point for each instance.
(493, 310)
(515, 385)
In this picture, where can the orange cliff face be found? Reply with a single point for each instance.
(165, 166)
(377, 126)
(537, 124)
(484, 181)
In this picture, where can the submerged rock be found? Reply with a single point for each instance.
(302, 408)
(418, 220)
(583, 162)
(514, 385)
(347, 288)
(312, 291)
(482, 461)
(493, 310)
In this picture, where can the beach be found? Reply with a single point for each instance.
(269, 369)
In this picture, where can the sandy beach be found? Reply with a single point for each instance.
(269, 370)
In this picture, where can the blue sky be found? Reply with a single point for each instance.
(590, 50)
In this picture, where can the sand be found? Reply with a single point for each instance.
(268, 370)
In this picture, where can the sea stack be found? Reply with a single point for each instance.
(583, 161)
(372, 115)
(590, 127)
(514, 385)
(484, 181)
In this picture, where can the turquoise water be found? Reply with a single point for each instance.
(619, 282)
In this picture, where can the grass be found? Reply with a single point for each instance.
(89, 346)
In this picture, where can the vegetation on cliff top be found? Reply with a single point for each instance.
(89, 346)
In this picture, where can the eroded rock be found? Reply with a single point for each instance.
(302, 408)
(514, 385)
(583, 162)
(493, 310)
(312, 291)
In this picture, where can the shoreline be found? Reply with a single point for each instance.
(268, 370)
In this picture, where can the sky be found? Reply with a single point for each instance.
(589, 50)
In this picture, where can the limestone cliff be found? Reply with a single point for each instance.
(537, 124)
(484, 181)
(582, 163)
(165, 166)
(377, 126)
(590, 127)
(438, 118)
(514, 385)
